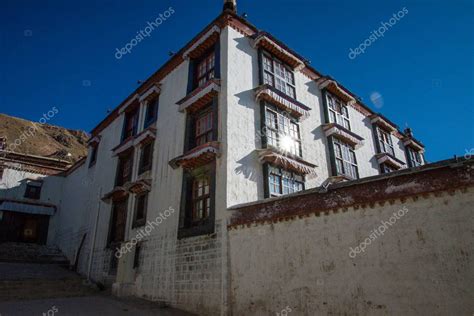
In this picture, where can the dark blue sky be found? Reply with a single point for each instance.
(61, 53)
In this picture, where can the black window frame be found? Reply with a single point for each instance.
(93, 154)
(411, 154)
(188, 227)
(191, 117)
(141, 200)
(132, 116)
(276, 132)
(336, 168)
(151, 113)
(385, 168)
(276, 172)
(120, 179)
(270, 72)
(146, 157)
(337, 111)
(210, 73)
(33, 192)
(384, 141)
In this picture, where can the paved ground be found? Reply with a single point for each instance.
(50, 289)
(88, 305)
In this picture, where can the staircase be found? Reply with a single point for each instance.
(31, 253)
(29, 271)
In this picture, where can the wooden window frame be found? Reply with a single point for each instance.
(111, 240)
(270, 75)
(275, 129)
(208, 60)
(205, 116)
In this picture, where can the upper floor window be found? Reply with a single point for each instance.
(203, 126)
(205, 69)
(131, 123)
(124, 168)
(278, 75)
(385, 142)
(146, 157)
(151, 112)
(93, 155)
(282, 132)
(414, 157)
(33, 190)
(338, 112)
(281, 181)
(346, 162)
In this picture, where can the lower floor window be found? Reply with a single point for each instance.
(201, 198)
(141, 203)
(282, 182)
(345, 158)
(414, 157)
(197, 212)
(118, 221)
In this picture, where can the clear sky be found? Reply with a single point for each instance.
(420, 73)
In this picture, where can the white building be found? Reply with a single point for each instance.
(234, 117)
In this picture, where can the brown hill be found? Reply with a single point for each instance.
(44, 140)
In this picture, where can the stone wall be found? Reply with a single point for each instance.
(296, 253)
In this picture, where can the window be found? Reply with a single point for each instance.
(203, 127)
(141, 204)
(151, 112)
(277, 75)
(338, 112)
(93, 156)
(205, 69)
(386, 168)
(197, 210)
(124, 170)
(1, 172)
(118, 220)
(33, 190)
(130, 124)
(146, 157)
(282, 182)
(414, 157)
(136, 257)
(282, 131)
(346, 163)
(385, 142)
(201, 198)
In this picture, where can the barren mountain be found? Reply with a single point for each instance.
(44, 140)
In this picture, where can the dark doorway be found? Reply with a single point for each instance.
(23, 227)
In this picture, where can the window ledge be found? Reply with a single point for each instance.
(383, 123)
(281, 100)
(286, 161)
(331, 85)
(271, 45)
(390, 160)
(338, 131)
(145, 135)
(411, 142)
(203, 44)
(197, 156)
(118, 193)
(200, 96)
